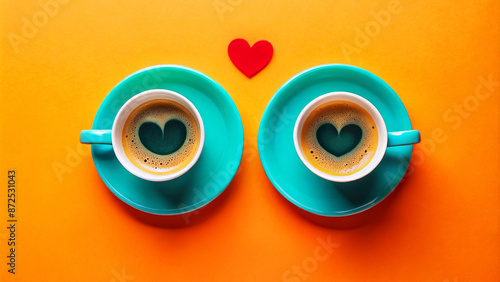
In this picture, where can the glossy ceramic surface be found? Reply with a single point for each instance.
(293, 179)
(217, 163)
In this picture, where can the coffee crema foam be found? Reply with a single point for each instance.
(160, 112)
(339, 114)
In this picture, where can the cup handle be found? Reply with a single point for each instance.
(399, 138)
(95, 137)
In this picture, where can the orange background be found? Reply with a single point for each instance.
(441, 224)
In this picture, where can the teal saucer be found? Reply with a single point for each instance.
(218, 161)
(293, 179)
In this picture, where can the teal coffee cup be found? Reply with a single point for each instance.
(157, 135)
(352, 150)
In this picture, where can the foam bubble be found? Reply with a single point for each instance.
(340, 114)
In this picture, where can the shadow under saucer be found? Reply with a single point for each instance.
(182, 220)
(369, 216)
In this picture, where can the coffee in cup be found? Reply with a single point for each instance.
(157, 135)
(342, 137)
(339, 138)
(160, 136)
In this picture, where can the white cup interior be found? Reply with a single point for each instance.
(126, 110)
(365, 104)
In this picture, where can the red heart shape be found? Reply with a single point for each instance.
(250, 60)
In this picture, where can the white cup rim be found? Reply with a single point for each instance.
(365, 104)
(126, 110)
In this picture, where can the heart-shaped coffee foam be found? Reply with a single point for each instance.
(339, 143)
(339, 138)
(160, 136)
(163, 142)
